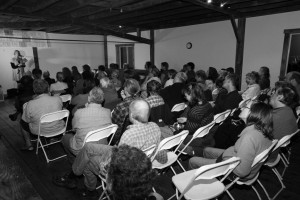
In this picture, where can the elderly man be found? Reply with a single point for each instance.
(87, 119)
(94, 158)
(59, 87)
(42, 104)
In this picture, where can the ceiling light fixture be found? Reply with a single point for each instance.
(223, 4)
(120, 26)
(209, 1)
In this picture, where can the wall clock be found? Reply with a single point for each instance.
(189, 45)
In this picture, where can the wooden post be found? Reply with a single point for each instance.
(152, 50)
(36, 57)
(285, 52)
(105, 52)
(239, 55)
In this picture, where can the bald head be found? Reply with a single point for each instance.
(139, 110)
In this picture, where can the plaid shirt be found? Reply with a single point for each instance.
(143, 136)
(155, 100)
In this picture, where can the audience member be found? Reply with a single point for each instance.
(75, 74)
(253, 88)
(254, 139)
(230, 100)
(172, 94)
(212, 73)
(190, 72)
(164, 72)
(59, 87)
(264, 78)
(171, 75)
(42, 104)
(110, 93)
(68, 79)
(46, 76)
(152, 75)
(87, 119)
(230, 70)
(294, 79)
(115, 79)
(201, 78)
(36, 73)
(87, 76)
(223, 73)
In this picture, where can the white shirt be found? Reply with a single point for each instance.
(169, 82)
(252, 91)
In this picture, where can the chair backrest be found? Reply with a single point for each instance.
(244, 103)
(170, 142)
(179, 107)
(148, 151)
(66, 98)
(212, 171)
(218, 118)
(260, 158)
(96, 135)
(204, 130)
(232, 111)
(284, 141)
(54, 116)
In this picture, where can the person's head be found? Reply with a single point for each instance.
(148, 64)
(59, 76)
(210, 84)
(101, 68)
(86, 67)
(261, 117)
(17, 53)
(40, 86)
(105, 82)
(164, 66)
(201, 76)
(154, 71)
(252, 78)
(153, 87)
(75, 69)
(180, 77)
(96, 96)
(131, 87)
(223, 73)
(212, 73)
(282, 96)
(88, 85)
(67, 72)
(87, 75)
(190, 66)
(37, 73)
(130, 74)
(219, 82)
(46, 74)
(230, 70)
(293, 78)
(115, 74)
(171, 73)
(101, 74)
(130, 175)
(184, 68)
(231, 82)
(194, 93)
(139, 111)
(264, 72)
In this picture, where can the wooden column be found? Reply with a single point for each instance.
(36, 57)
(152, 50)
(105, 51)
(239, 55)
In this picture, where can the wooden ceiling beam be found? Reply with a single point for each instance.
(32, 24)
(70, 9)
(8, 4)
(225, 11)
(42, 5)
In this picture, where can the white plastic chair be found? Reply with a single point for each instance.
(179, 107)
(96, 135)
(47, 118)
(149, 151)
(244, 103)
(259, 159)
(168, 143)
(201, 132)
(66, 98)
(220, 118)
(201, 183)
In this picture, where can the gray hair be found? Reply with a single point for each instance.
(105, 82)
(180, 77)
(96, 95)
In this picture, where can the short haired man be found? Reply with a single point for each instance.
(46, 76)
(87, 119)
(230, 100)
(94, 158)
(42, 104)
(59, 87)
(36, 73)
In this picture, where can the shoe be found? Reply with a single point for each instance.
(65, 181)
(89, 195)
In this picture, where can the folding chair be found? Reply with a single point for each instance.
(47, 118)
(201, 132)
(202, 183)
(281, 143)
(96, 135)
(259, 159)
(168, 143)
(66, 98)
(244, 103)
(220, 118)
(149, 151)
(178, 107)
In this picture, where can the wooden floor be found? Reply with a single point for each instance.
(40, 174)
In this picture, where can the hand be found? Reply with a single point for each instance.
(181, 119)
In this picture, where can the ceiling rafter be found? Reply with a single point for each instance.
(8, 4)
(41, 6)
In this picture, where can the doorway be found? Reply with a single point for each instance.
(125, 55)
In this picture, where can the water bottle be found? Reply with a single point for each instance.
(1, 94)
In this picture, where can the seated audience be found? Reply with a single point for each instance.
(47, 78)
(172, 95)
(75, 74)
(154, 99)
(294, 79)
(110, 93)
(190, 72)
(164, 72)
(87, 119)
(87, 76)
(131, 91)
(201, 78)
(223, 73)
(59, 87)
(115, 79)
(219, 89)
(212, 73)
(230, 100)
(42, 104)
(211, 85)
(68, 79)
(253, 88)
(171, 74)
(230, 70)
(152, 75)
(264, 78)
(254, 139)
(36, 73)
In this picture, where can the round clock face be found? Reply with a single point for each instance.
(189, 45)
